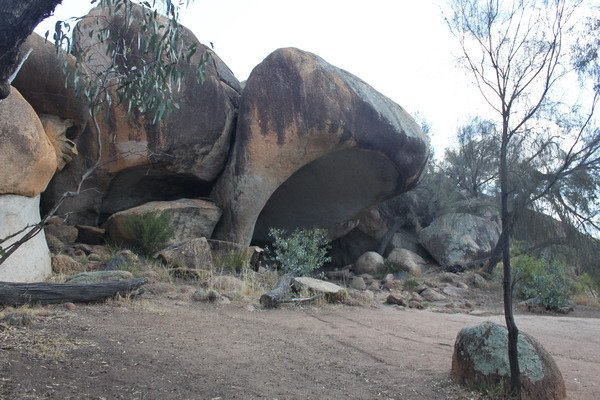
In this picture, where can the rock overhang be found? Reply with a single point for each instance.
(297, 109)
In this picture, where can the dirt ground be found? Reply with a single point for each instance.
(173, 349)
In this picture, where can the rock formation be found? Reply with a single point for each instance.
(28, 160)
(314, 146)
(458, 238)
(480, 359)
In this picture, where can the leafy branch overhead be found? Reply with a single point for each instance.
(134, 57)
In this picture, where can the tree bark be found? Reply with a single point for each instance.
(18, 294)
(18, 18)
(281, 289)
(513, 331)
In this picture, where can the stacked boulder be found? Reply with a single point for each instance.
(28, 162)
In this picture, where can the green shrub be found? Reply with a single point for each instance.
(410, 284)
(584, 283)
(151, 230)
(549, 285)
(301, 252)
(552, 289)
(524, 269)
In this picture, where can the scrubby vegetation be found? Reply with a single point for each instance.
(300, 252)
(549, 283)
(151, 230)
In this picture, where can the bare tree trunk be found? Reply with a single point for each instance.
(513, 331)
(281, 289)
(18, 294)
(18, 18)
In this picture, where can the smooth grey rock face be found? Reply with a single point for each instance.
(369, 263)
(314, 146)
(31, 262)
(458, 238)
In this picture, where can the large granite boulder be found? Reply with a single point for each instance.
(41, 81)
(480, 359)
(315, 145)
(187, 219)
(194, 139)
(407, 261)
(458, 238)
(27, 158)
(31, 262)
(140, 162)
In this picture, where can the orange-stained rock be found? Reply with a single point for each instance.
(193, 139)
(315, 145)
(41, 81)
(27, 158)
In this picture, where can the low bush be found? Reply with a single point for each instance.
(548, 284)
(300, 252)
(151, 230)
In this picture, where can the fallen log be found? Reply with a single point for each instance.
(278, 293)
(17, 294)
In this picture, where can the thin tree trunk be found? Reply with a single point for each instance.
(513, 331)
(18, 18)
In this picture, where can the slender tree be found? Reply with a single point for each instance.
(516, 53)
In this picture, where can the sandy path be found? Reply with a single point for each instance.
(175, 350)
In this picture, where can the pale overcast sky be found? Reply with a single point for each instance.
(402, 48)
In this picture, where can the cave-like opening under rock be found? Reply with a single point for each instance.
(140, 185)
(328, 191)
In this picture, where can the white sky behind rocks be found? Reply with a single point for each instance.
(402, 48)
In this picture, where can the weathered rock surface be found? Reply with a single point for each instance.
(41, 81)
(188, 218)
(371, 223)
(190, 254)
(346, 249)
(193, 139)
(457, 238)
(405, 239)
(369, 263)
(63, 264)
(407, 261)
(432, 295)
(480, 359)
(314, 146)
(31, 262)
(27, 158)
(397, 299)
(90, 235)
(65, 233)
(56, 130)
(99, 277)
(331, 291)
(358, 283)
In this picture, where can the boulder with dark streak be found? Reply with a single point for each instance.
(315, 146)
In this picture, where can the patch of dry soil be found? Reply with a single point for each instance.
(166, 349)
